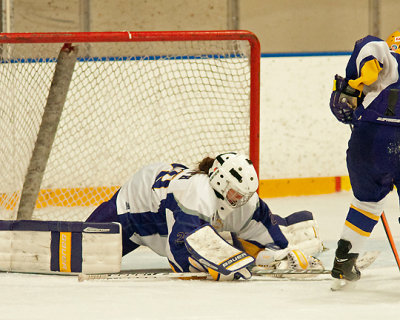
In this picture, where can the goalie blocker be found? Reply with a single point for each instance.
(60, 247)
(210, 252)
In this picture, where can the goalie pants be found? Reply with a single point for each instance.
(373, 160)
(107, 212)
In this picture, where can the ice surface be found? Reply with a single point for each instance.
(376, 295)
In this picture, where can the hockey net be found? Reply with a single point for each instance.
(124, 100)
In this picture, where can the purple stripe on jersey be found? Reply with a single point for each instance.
(263, 214)
(299, 217)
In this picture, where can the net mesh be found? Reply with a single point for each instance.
(128, 104)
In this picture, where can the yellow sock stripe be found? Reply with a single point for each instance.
(65, 252)
(356, 229)
(366, 213)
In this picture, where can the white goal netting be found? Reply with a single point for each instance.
(128, 104)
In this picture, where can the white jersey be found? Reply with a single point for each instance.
(162, 203)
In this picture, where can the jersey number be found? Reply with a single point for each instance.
(164, 177)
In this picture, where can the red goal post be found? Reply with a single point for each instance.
(82, 111)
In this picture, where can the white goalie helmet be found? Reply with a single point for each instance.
(234, 180)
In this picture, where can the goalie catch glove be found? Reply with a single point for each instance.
(287, 259)
(344, 100)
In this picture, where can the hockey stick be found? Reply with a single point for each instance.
(140, 276)
(263, 271)
(259, 273)
(390, 238)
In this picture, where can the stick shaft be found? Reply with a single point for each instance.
(390, 238)
(150, 275)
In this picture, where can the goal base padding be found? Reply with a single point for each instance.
(60, 247)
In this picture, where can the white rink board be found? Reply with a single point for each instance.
(300, 137)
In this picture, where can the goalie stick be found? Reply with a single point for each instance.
(390, 239)
(143, 275)
(259, 273)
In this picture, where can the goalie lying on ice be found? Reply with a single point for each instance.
(178, 212)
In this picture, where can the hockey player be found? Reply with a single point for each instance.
(368, 99)
(177, 212)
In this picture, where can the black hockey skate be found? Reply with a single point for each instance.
(344, 267)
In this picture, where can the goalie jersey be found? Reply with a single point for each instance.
(374, 70)
(162, 203)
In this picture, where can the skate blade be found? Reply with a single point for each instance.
(342, 284)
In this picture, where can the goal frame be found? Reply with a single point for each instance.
(152, 36)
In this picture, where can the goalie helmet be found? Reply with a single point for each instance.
(393, 41)
(234, 180)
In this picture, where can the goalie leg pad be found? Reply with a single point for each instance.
(302, 232)
(59, 246)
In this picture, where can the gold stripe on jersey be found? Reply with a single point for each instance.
(369, 74)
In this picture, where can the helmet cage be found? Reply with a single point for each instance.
(239, 201)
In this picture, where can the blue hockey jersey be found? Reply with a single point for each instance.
(374, 70)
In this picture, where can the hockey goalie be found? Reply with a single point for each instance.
(184, 215)
(181, 213)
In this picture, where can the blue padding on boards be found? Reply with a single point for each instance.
(60, 226)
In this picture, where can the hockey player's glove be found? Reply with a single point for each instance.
(344, 100)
